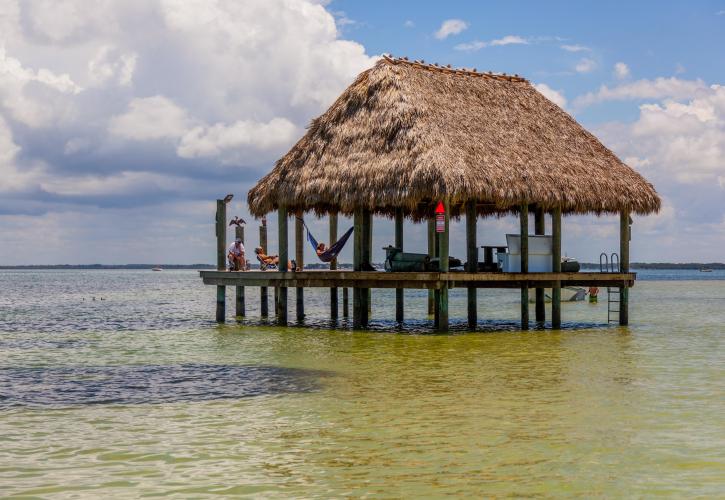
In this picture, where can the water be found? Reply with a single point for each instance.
(142, 394)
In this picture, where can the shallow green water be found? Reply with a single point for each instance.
(141, 394)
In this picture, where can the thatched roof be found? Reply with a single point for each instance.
(407, 134)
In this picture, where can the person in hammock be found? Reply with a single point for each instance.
(321, 248)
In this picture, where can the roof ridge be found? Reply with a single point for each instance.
(454, 71)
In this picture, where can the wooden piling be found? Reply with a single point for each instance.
(357, 301)
(625, 235)
(399, 292)
(300, 261)
(283, 259)
(524, 232)
(333, 266)
(556, 267)
(221, 257)
(472, 261)
(345, 302)
(367, 263)
(239, 308)
(263, 300)
(431, 255)
(540, 229)
(442, 302)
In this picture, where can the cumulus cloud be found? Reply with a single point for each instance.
(451, 27)
(478, 45)
(555, 96)
(659, 88)
(123, 103)
(585, 65)
(621, 71)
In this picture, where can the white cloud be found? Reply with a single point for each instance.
(555, 96)
(150, 118)
(409, 24)
(450, 27)
(478, 45)
(575, 48)
(585, 65)
(111, 64)
(659, 88)
(621, 70)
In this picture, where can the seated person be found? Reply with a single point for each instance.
(235, 256)
(271, 259)
(321, 249)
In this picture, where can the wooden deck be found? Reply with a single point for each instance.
(425, 280)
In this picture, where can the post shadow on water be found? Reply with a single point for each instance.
(148, 384)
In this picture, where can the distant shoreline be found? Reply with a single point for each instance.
(584, 265)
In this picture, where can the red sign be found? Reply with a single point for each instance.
(440, 223)
(440, 209)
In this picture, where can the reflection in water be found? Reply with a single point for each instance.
(138, 384)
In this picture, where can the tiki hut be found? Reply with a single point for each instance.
(415, 140)
(406, 133)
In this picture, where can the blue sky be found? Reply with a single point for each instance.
(122, 121)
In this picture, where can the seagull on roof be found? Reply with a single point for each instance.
(237, 221)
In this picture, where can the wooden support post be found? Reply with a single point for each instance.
(399, 292)
(263, 302)
(540, 229)
(300, 261)
(283, 259)
(367, 263)
(472, 261)
(442, 304)
(625, 235)
(431, 255)
(221, 257)
(524, 230)
(345, 302)
(239, 302)
(333, 266)
(357, 301)
(556, 267)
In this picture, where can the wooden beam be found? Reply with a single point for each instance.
(221, 257)
(333, 266)
(442, 305)
(399, 292)
(556, 268)
(263, 302)
(540, 229)
(472, 261)
(524, 233)
(239, 308)
(625, 235)
(300, 261)
(283, 260)
(357, 301)
(431, 255)
(367, 236)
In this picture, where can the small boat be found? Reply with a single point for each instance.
(705, 270)
(157, 268)
(568, 294)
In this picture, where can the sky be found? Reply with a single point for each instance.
(121, 121)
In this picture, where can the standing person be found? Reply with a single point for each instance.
(235, 256)
(593, 292)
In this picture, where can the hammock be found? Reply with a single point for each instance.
(334, 249)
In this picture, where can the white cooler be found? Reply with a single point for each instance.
(540, 254)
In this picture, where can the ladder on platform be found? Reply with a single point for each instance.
(614, 296)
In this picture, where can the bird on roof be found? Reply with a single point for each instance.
(237, 221)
